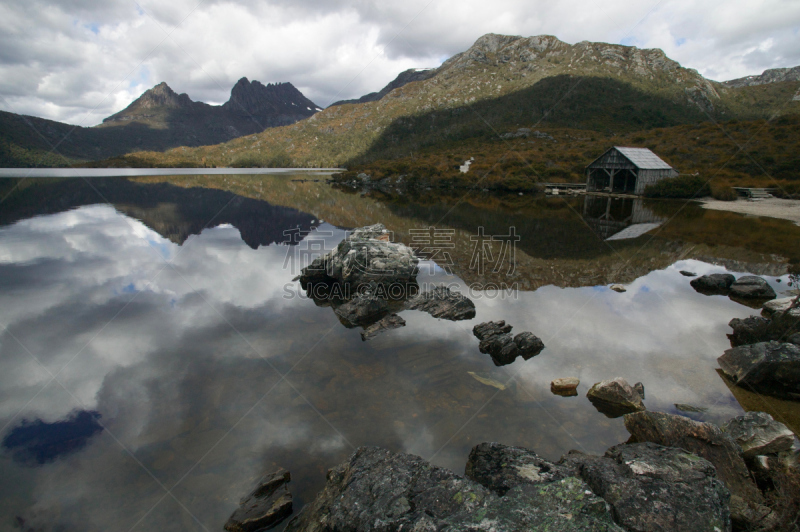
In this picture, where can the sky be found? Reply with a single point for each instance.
(79, 61)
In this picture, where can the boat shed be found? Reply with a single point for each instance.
(626, 171)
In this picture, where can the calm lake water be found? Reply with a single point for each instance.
(156, 357)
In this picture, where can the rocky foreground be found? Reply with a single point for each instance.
(674, 474)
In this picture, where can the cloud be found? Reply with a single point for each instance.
(82, 60)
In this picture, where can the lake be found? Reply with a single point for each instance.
(156, 356)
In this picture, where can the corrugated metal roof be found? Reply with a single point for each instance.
(643, 158)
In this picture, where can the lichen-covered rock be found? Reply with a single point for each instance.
(265, 507)
(656, 488)
(706, 441)
(751, 287)
(378, 490)
(501, 467)
(441, 302)
(758, 434)
(776, 305)
(771, 368)
(365, 256)
(715, 283)
(616, 397)
(496, 340)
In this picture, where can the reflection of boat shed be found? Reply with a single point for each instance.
(627, 170)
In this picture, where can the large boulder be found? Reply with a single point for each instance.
(496, 340)
(656, 488)
(376, 489)
(616, 397)
(751, 287)
(501, 467)
(771, 368)
(265, 507)
(706, 441)
(365, 256)
(716, 283)
(758, 434)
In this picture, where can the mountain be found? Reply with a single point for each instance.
(502, 83)
(158, 120)
(773, 75)
(404, 78)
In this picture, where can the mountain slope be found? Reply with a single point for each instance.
(499, 84)
(773, 75)
(404, 78)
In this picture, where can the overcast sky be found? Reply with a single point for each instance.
(79, 61)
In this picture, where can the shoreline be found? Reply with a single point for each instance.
(784, 209)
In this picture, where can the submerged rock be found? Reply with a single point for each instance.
(265, 507)
(757, 434)
(496, 340)
(616, 397)
(387, 323)
(706, 441)
(376, 489)
(567, 386)
(771, 368)
(652, 487)
(751, 287)
(715, 283)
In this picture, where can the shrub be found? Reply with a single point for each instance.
(723, 193)
(683, 186)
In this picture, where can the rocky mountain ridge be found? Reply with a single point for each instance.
(404, 78)
(772, 75)
(503, 82)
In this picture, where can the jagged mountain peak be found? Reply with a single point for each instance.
(255, 99)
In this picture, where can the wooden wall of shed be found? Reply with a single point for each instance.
(648, 177)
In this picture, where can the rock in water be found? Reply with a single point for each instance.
(617, 288)
(651, 487)
(615, 397)
(771, 368)
(566, 386)
(688, 274)
(751, 287)
(363, 309)
(496, 340)
(379, 490)
(757, 433)
(365, 256)
(265, 507)
(776, 305)
(781, 325)
(441, 302)
(716, 283)
(706, 441)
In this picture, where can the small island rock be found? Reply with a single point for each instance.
(265, 507)
(771, 368)
(751, 287)
(615, 397)
(566, 386)
(715, 283)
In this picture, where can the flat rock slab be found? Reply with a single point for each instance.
(776, 305)
(616, 397)
(706, 441)
(656, 488)
(770, 368)
(265, 507)
(565, 386)
(387, 323)
(751, 287)
(758, 434)
(441, 302)
(376, 489)
(715, 283)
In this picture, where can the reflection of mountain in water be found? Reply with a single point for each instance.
(618, 218)
(173, 212)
